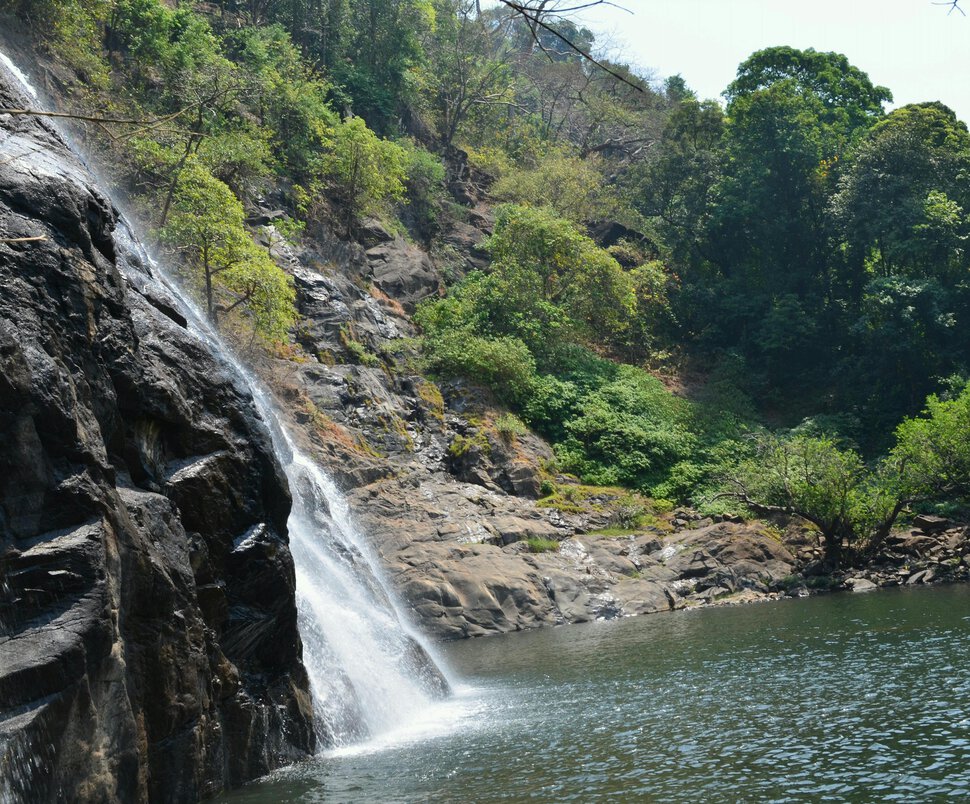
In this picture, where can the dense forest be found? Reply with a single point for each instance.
(760, 303)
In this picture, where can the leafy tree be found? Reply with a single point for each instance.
(547, 263)
(424, 190)
(814, 478)
(900, 201)
(932, 452)
(364, 170)
(575, 188)
(206, 227)
(847, 96)
(383, 49)
(468, 67)
(289, 99)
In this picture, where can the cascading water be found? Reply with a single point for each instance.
(370, 675)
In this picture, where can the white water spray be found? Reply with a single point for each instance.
(371, 676)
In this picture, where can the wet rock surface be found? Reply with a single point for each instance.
(148, 638)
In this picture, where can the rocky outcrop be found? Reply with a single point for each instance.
(148, 638)
(484, 575)
(934, 551)
(403, 272)
(447, 487)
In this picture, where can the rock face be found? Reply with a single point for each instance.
(448, 494)
(148, 638)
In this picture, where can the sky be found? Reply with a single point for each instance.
(911, 46)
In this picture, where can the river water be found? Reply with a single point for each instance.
(847, 697)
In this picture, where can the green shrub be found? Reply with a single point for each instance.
(364, 171)
(630, 432)
(509, 426)
(358, 351)
(575, 188)
(503, 364)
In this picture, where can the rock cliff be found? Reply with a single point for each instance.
(148, 638)
(457, 505)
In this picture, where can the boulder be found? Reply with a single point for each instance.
(403, 272)
(928, 523)
(860, 584)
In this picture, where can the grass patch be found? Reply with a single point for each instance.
(509, 427)
(613, 533)
(539, 545)
(462, 445)
(430, 395)
(358, 352)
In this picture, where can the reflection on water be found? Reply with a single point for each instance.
(848, 697)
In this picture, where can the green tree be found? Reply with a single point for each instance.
(900, 201)
(932, 452)
(547, 262)
(364, 171)
(468, 67)
(575, 188)
(382, 53)
(813, 478)
(847, 96)
(206, 228)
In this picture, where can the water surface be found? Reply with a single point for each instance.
(847, 697)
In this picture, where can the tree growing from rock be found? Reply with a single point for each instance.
(364, 170)
(206, 226)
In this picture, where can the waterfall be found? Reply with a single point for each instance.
(370, 673)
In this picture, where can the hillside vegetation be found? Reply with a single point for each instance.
(795, 259)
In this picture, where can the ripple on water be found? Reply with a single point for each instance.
(839, 697)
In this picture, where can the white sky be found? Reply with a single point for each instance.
(911, 46)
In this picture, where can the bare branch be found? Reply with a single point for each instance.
(953, 4)
(533, 16)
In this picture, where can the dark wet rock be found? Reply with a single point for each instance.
(148, 638)
(372, 232)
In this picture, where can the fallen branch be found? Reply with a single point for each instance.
(23, 239)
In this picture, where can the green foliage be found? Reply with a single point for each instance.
(469, 72)
(844, 91)
(539, 545)
(852, 504)
(812, 477)
(72, 29)
(206, 228)
(932, 452)
(493, 162)
(358, 351)
(290, 98)
(461, 445)
(424, 189)
(558, 279)
(503, 364)
(364, 171)
(629, 432)
(575, 188)
(509, 426)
